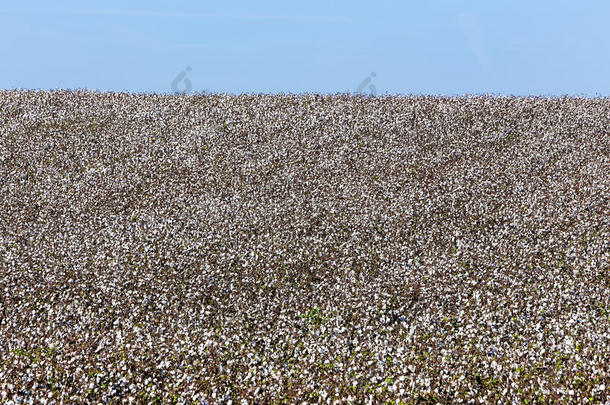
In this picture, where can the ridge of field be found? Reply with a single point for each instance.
(290, 248)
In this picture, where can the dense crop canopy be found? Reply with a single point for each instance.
(303, 248)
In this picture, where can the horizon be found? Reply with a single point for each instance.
(306, 94)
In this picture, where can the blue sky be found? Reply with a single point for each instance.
(437, 47)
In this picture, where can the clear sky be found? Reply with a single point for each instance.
(422, 47)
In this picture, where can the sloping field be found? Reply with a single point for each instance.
(215, 248)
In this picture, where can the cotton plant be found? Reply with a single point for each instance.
(288, 248)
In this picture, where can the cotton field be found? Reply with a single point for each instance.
(303, 248)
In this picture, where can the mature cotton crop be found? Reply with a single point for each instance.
(295, 248)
